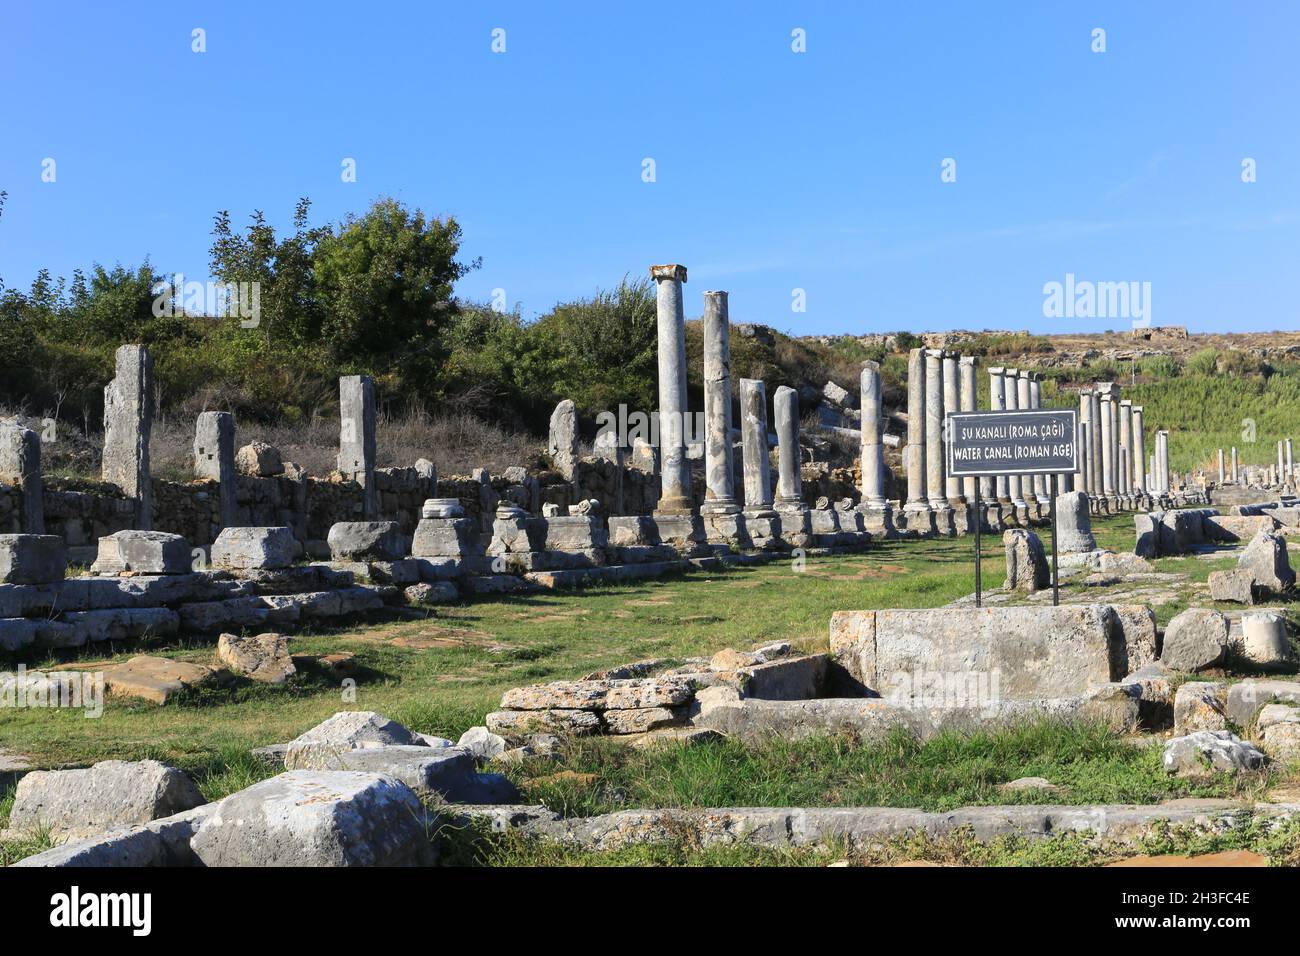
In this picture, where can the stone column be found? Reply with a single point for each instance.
(1280, 460)
(214, 459)
(1094, 430)
(873, 452)
(1236, 475)
(1011, 382)
(1222, 476)
(1139, 453)
(1114, 438)
(1040, 482)
(1162, 461)
(1290, 467)
(998, 403)
(20, 466)
(951, 403)
(562, 439)
(1084, 482)
(935, 482)
(357, 438)
(760, 518)
(1107, 445)
(1081, 475)
(675, 496)
(966, 403)
(1126, 445)
(128, 422)
(917, 508)
(796, 525)
(719, 467)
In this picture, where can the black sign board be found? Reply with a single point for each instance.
(1042, 441)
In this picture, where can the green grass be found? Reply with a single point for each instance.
(1089, 763)
(442, 672)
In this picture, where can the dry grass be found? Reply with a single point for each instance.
(456, 443)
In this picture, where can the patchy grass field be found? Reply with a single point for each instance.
(440, 672)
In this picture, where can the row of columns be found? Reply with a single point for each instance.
(1281, 473)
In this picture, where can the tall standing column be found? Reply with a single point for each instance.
(1107, 446)
(951, 403)
(917, 506)
(873, 452)
(795, 522)
(1280, 460)
(759, 514)
(966, 403)
(1141, 485)
(1290, 466)
(998, 403)
(1222, 476)
(675, 471)
(214, 459)
(1236, 476)
(934, 463)
(1011, 382)
(719, 465)
(1081, 438)
(1094, 430)
(1036, 401)
(1126, 445)
(20, 466)
(128, 423)
(1114, 438)
(1085, 419)
(1164, 461)
(357, 438)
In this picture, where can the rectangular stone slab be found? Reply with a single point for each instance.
(1035, 652)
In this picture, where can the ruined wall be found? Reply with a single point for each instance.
(81, 512)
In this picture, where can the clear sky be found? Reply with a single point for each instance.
(773, 170)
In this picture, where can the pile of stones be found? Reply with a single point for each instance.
(357, 790)
(650, 697)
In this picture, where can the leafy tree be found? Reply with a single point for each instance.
(385, 280)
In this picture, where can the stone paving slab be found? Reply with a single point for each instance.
(864, 826)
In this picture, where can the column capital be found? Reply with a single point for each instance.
(669, 271)
(966, 360)
(1126, 401)
(997, 370)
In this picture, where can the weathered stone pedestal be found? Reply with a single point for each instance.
(878, 522)
(962, 517)
(684, 532)
(917, 520)
(726, 529)
(796, 524)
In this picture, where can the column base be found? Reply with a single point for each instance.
(917, 520)
(727, 529)
(878, 521)
(718, 506)
(945, 525)
(796, 524)
(683, 532)
(764, 527)
(962, 516)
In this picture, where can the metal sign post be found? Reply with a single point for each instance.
(1039, 441)
(978, 522)
(1056, 587)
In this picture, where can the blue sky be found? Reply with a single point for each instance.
(774, 170)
